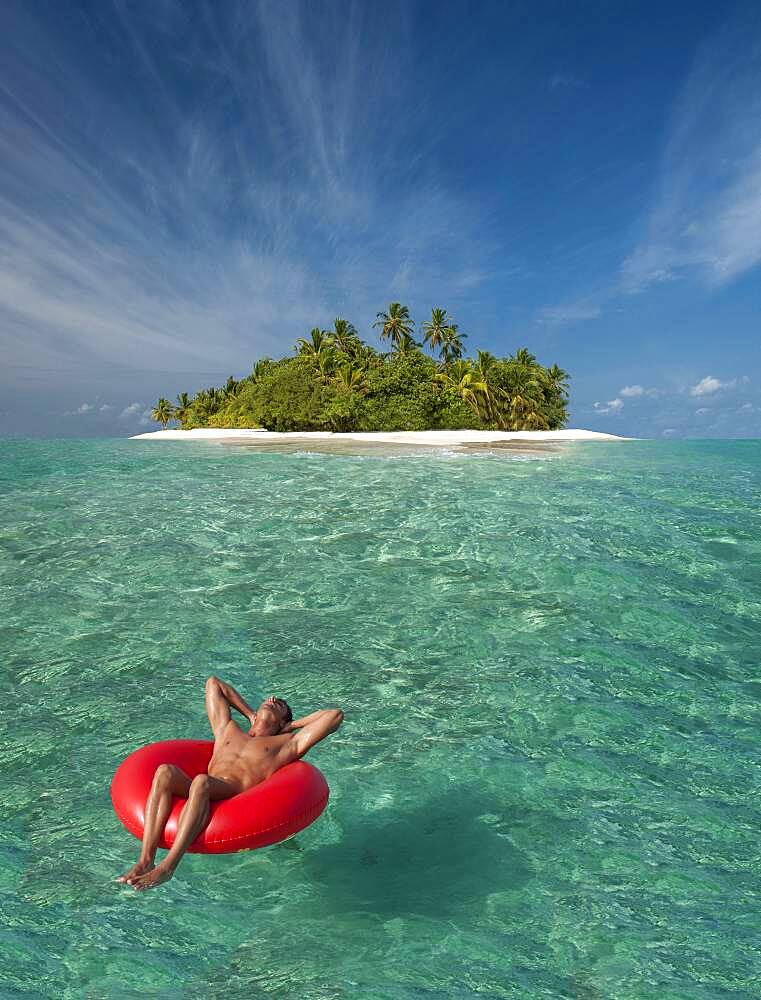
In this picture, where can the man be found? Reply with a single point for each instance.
(240, 761)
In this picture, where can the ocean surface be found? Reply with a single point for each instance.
(548, 780)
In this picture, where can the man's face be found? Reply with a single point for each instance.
(271, 714)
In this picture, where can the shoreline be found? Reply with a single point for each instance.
(460, 439)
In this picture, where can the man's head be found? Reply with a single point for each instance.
(272, 716)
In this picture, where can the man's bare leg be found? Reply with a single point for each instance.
(193, 818)
(168, 781)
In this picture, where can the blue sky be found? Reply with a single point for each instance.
(187, 186)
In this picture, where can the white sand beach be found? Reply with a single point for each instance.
(434, 439)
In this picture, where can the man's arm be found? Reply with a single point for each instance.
(220, 697)
(305, 720)
(313, 728)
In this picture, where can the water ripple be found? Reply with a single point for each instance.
(547, 780)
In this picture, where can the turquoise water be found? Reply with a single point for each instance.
(547, 783)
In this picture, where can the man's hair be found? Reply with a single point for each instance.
(288, 713)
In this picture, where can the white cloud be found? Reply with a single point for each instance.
(701, 411)
(612, 406)
(709, 385)
(571, 312)
(105, 408)
(634, 391)
(80, 410)
(668, 432)
(747, 408)
(131, 411)
(470, 278)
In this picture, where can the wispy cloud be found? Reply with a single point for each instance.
(704, 218)
(565, 81)
(706, 215)
(138, 229)
(570, 312)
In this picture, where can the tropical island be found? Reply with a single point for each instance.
(337, 382)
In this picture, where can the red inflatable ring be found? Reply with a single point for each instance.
(277, 808)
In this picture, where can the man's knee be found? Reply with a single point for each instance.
(164, 775)
(199, 786)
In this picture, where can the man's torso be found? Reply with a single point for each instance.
(246, 761)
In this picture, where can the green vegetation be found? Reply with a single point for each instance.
(337, 382)
(163, 412)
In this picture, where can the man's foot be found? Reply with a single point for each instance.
(156, 876)
(137, 869)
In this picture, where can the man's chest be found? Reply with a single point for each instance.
(252, 748)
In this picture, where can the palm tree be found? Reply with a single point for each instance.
(558, 378)
(555, 387)
(405, 344)
(484, 366)
(325, 361)
(231, 388)
(260, 369)
(395, 325)
(441, 332)
(182, 407)
(485, 361)
(523, 395)
(208, 402)
(524, 357)
(433, 329)
(345, 336)
(351, 379)
(319, 341)
(460, 378)
(451, 344)
(162, 412)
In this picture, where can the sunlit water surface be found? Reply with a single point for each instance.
(547, 783)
